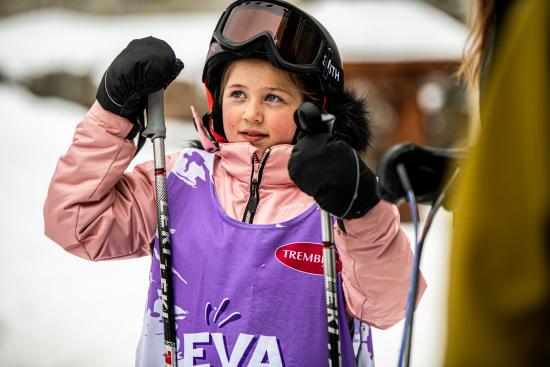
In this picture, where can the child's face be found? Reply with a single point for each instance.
(258, 104)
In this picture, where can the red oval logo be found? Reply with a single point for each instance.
(306, 257)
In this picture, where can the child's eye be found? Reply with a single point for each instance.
(237, 94)
(273, 98)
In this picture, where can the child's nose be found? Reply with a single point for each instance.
(253, 112)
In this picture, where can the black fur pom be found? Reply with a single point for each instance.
(352, 122)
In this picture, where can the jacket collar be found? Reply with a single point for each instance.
(236, 160)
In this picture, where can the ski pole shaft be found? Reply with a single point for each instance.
(331, 289)
(156, 131)
(310, 118)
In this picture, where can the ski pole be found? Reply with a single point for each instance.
(156, 131)
(311, 119)
(331, 289)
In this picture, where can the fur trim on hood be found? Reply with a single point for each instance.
(352, 123)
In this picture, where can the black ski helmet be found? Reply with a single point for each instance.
(277, 31)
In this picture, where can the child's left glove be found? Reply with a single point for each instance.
(328, 169)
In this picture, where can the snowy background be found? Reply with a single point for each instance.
(59, 310)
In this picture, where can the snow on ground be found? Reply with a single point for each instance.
(59, 310)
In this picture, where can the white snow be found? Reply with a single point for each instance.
(59, 310)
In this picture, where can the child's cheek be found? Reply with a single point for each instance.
(229, 124)
(284, 129)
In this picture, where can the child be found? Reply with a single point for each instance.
(246, 233)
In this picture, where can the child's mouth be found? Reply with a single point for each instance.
(253, 135)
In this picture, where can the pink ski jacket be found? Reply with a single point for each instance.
(96, 210)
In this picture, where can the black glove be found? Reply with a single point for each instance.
(428, 170)
(328, 169)
(146, 65)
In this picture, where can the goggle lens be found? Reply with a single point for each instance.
(289, 31)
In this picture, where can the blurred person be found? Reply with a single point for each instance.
(499, 300)
(243, 215)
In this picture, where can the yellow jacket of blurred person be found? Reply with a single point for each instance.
(499, 302)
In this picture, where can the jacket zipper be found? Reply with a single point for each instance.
(255, 180)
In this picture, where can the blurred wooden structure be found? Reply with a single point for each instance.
(398, 106)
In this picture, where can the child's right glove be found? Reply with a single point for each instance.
(328, 169)
(145, 66)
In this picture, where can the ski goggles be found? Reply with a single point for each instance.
(295, 39)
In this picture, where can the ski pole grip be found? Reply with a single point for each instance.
(312, 119)
(156, 127)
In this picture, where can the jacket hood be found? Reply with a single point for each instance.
(352, 123)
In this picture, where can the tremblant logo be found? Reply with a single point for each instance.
(306, 257)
